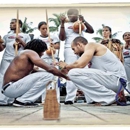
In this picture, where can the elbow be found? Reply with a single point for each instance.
(62, 38)
(90, 31)
(1, 49)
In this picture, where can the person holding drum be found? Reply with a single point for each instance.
(113, 44)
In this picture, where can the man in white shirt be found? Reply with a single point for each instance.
(9, 53)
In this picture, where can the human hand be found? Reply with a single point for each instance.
(18, 40)
(63, 19)
(65, 71)
(61, 64)
(81, 18)
(16, 44)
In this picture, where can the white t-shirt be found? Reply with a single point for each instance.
(126, 55)
(70, 34)
(54, 39)
(109, 63)
(9, 41)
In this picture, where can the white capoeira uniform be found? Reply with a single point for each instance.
(29, 88)
(100, 82)
(69, 58)
(8, 56)
(49, 60)
(126, 55)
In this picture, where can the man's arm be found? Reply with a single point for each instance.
(62, 35)
(83, 60)
(37, 61)
(88, 26)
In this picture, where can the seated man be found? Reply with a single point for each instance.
(20, 83)
(100, 83)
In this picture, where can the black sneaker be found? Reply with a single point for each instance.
(27, 104)
(68, 102)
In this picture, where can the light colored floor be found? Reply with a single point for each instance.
(77, 114)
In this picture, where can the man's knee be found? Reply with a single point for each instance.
(50, 76)
(73, 72)
(46, 75)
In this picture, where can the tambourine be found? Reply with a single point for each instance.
(76, 26)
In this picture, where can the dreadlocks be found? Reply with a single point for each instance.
(36, 45)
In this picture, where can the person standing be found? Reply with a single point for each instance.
(67, 34)
(126, 55)
(8, 45)
(113, 44)
(47, 57)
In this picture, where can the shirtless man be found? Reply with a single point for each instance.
(100, 82)
(20, 83)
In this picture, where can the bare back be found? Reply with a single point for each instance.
(20, 67)
(23, 64)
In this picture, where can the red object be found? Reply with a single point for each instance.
(76, 27)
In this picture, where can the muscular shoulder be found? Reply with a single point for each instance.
(91, 45)
(28, 52)
(95, 47)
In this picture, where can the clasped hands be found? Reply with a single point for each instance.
(62, 66)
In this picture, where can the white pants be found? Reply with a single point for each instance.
(29, 88)
(3, 67)
(71, 89)
(127, 68)
(97, 85)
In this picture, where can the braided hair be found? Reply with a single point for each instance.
(36, 45)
